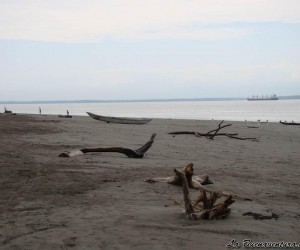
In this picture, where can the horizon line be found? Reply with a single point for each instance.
(140, 100)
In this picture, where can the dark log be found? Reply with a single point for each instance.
(182, 133)
(131, 153)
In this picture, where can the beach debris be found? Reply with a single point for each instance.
(198, 182)
(252, 127)
(215, 132)
(193, 181)
(258, 216)
(131, 153)
(208, 210)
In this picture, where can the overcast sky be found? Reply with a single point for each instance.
(134, 49)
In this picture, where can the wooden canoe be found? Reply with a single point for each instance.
(122, 120)
(289, 123)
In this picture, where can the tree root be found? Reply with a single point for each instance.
(209, 210)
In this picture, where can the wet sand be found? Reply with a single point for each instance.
(101, 201)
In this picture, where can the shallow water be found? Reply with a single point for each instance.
(238, 110)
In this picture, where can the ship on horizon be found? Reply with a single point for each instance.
(263, 98)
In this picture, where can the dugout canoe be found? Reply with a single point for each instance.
(289, 123)
(121, 120)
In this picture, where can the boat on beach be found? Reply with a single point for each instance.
(122, 120)
(289, 123)
(263, 98)
(65, 116)
(6, 111)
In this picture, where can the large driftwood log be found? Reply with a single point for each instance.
(192, 182)
(195, 182)
(215, 132)
(209, 210)
(131, 153)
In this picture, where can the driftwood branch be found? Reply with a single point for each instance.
(243, 138)
(131, 153)
(215, 132)
(209, 210)
(198, 134)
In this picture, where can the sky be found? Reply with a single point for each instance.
(155, 49)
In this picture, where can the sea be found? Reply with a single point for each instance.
(229, 110)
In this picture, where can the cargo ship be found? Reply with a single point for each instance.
(263, 98)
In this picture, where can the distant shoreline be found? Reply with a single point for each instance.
(146, 100)
(54, 116)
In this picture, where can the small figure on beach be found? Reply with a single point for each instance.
(6, 111)
(67, 112)
(40, 110)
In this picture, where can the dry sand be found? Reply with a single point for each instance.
(100, 200)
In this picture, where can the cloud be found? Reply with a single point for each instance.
(93, 21)
(197, 75)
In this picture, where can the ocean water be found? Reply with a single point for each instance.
(233, 110)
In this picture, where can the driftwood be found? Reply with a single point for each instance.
(192, 182)
(211, 134)
(209, 210)
(131, 153)
(195, 182)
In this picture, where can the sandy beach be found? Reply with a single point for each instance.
(101, 201)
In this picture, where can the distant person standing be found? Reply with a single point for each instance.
(67, 112)
(40, 110)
